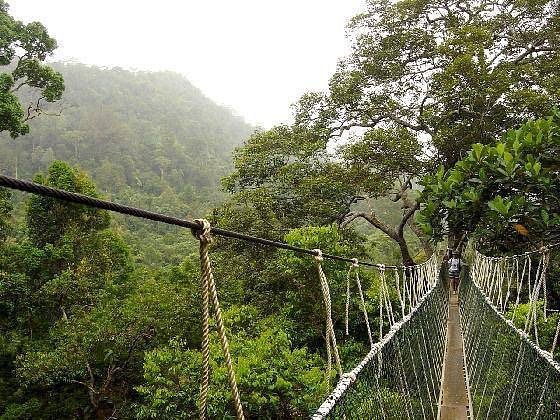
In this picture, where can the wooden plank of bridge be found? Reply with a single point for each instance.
(454, 400)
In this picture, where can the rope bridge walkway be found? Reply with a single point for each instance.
(400, 376)
(415, 369)
(454, 399)
(511, 370)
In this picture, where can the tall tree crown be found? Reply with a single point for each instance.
(455, 72)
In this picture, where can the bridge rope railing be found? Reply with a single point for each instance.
(400, 375)
(414, 285)
(510, 363)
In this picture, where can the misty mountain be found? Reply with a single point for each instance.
(147, 139)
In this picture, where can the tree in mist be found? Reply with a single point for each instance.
(23, 48)
(425, 80)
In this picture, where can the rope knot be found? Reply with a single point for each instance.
(202, 232)
(355, 262)
(318, 255)
(382, 267)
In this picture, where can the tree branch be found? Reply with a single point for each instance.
(372, 219)
(407, 215)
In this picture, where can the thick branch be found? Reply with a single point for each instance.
(373, 220)
(407, 215)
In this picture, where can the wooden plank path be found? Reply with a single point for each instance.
(454, 399)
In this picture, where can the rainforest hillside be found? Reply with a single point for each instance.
(147, 139)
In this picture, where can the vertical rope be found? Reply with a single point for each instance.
(209, 292)
(386, 298)
(348, 296)
(519, 287)
(534, 293)
(401, 298)
(362, 300)
(555, 340)
(364, 309)
(330, 336)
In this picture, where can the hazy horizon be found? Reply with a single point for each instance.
(254, 57)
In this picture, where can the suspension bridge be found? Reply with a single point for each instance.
(476, 354)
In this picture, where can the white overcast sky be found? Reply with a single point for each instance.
(255, 56)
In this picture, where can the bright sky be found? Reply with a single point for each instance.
(255, 56)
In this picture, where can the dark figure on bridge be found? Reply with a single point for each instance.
(454, 271)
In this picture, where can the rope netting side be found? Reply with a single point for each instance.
(399, 377)
(510, 376)
(517, 287)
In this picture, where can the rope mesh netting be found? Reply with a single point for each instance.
(400, 376)
(502, 303)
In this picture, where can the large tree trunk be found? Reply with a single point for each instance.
(405, 253)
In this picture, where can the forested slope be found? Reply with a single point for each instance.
(147, 139)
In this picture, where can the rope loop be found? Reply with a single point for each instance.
(318, 254)
(202, 232)
(355, 262)
(330, 337)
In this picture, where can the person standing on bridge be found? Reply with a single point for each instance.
(454, 270)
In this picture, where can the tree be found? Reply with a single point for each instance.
(504, 195)
(425, 80)
(275, 380)
(455, 73)
(286, 177)
(23, 48)
(452, 72)
(49, 283)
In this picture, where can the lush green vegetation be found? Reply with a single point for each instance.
(86, 332)
(506, 195)
(149, 140)
(424, 81)
(99, 314)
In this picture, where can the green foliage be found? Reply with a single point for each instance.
(546, 327)
(289, 177)
(50, 220)
(381, 157)
(285, 178)
(149, 140)
(505, 194)
(301, 301)
(5, 212)
(274, 379)
(23, 48)
(50, 281)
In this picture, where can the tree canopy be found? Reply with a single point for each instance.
(23, 48)
(424, 81)
(453, 73)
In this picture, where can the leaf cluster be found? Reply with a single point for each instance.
(504, 194)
